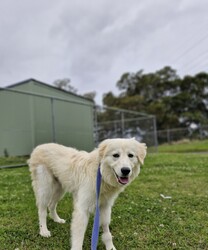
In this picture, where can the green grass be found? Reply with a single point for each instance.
(8, 161)
(141, 218)
(185, 146)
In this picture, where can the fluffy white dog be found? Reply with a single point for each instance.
(56, 169)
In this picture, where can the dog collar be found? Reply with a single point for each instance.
(96, 223)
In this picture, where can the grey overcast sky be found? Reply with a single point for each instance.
(93, 42)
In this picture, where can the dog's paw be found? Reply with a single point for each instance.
(62, 221)
(110, 248)
(56, 218)
(45, 233)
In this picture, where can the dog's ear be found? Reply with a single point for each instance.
(102, 147)
(142, 151)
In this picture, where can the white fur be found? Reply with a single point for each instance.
(56, 169)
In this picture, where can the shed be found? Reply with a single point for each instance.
(33, 112)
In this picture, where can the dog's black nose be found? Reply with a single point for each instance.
(125, 171)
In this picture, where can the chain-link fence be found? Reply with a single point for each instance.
(120, 123)
(177, 134)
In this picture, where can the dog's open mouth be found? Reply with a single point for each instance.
(122, 179)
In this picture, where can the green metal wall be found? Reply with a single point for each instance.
(15, 124)
(27, 121)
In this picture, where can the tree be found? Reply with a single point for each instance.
(151, 86)
(65, 85)
(191, 102)
(176, 102)
(90, 95)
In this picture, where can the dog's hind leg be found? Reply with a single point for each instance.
(42, 185)
(105, 217)
(57, 194)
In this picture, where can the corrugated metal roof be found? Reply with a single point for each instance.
(47, 85)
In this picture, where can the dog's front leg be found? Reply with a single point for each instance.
(79, 223)
(105, 217)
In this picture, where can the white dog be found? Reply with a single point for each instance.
(56, 169)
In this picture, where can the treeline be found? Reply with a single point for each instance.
(175, 101)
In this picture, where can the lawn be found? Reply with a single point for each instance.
(185, 146)
(141, 218)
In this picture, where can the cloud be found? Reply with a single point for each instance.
(94, 43)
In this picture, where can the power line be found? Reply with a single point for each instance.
(200, 58)
(190, 49)
(201, 65)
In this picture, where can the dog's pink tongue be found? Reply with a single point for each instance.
(123, 180)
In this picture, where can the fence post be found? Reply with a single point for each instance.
(155, 133)
(200, 132)
(168, 136)
(53, 121)
(122, 124)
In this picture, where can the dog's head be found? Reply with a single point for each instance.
(120, 160)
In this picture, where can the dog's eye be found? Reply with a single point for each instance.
(130, 155)
(116, 155)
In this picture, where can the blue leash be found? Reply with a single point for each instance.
(96, 224)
